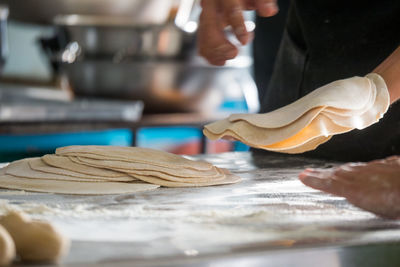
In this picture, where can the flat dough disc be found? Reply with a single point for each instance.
(308, 146)
(353, 94)
(69, 187)
(229, 179)
(146, 169)
(67, 164)
(316, 133)
(260, 136)
(320, 126)
(37, 164)
(21, 168)
(370, 116)
(333, 109)
(115, 165)
(135, 154)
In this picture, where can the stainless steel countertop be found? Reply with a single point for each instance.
(269, 219)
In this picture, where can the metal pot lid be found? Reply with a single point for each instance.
(99, 21)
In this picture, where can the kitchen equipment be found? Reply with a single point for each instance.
(47, 105)
(120, 37)
(172, 86)
(44, 11)
(3, 36)
(116, 57)
(111, 58)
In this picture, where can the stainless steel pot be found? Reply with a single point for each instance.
(171, 86)
(120, 37)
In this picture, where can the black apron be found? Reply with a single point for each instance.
(327, 40)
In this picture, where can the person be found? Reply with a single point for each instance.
(324, 41)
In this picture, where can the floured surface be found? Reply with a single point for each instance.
(269, 209)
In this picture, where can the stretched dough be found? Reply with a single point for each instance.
(336, 108)
(260, 136)
(353, 94)
(321, 126)
(371, 115)
(310, 145)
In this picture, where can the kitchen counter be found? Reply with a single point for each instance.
(269, 219)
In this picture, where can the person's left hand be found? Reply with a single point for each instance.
(373, 186)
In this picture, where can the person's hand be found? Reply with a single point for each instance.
(373, 186)
(216, 15)
(389, 70)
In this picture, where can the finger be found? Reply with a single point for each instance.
(395, 159)
(327, 185)
(348, 173)
(233, 12)
(249, 4)
(320, 173)
(212, 43)
(266, 8)
(392, 160)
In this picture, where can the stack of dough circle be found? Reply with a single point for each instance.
(303, 125)
(95, 170)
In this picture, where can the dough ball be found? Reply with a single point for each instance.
(7, 247)
(35, 241)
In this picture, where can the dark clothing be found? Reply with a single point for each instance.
(329, 40)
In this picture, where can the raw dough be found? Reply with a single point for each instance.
(70, 187)
(260, 136)
(35, 241)
(321, 126)
(353, 94)
(336, 108)
(229, 179)
(148, 167)
(135, 154)
(66, 164)
(7, 247)
(21, 168)
(37, 164)
(144, 169)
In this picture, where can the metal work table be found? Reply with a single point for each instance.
(269, 219)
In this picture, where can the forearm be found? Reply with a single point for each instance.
(389, 69)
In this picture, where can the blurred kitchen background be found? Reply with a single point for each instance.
(113, 72)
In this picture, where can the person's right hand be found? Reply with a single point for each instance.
(373, 186)
(216, 15)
